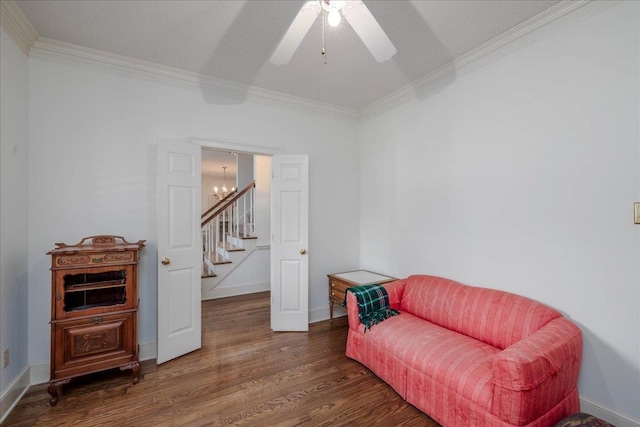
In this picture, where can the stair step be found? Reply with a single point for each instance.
(247, 237)
(205, 273)
(230, 247)
(216, 258)
(242, 236)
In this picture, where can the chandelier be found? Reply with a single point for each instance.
(224, 192)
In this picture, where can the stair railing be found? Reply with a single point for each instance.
(231, 216)
(218, 204)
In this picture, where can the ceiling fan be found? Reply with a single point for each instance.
(356, 14)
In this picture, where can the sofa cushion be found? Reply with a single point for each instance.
(447, 357)
(495, 317)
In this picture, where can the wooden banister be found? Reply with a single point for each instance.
(216, 209)
(208, 211)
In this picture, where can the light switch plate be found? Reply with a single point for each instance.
(636, 213)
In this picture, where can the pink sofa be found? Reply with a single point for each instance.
(469, 356)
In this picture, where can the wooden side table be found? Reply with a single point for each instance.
(339, 282)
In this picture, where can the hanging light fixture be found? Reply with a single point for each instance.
(332, 8)
(224, 192)
(331, 15)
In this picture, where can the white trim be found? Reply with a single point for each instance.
(556, 18)
(238, 147)
(233, 92)
(560, 16)
(609, 416)
(233, 291)
(318, 315)
(147, 350)
(13, 21)
(40, 373)
(14, 393)
(322, 314)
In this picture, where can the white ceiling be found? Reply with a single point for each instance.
(233, 40)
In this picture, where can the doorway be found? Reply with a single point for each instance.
(180, 250)
(243, 266)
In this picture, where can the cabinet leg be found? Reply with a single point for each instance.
(135, 371)
(331, 310)
(53, 390)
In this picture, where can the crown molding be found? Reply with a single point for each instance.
(13, 21)
(229, 92)
(556, 18)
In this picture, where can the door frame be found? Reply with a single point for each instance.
(248, 149)
(217, 144)
(236, 147)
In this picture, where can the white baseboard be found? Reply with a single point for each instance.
(147, 350)
(14, 393)
(321, 314)
(233, 291)
(318, 315)
(40, 373)
(609, 416)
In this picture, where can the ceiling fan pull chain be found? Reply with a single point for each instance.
(324, 36)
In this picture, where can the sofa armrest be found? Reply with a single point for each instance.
(395, 290)
(534, 374)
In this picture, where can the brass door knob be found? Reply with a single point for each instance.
(165, 261)
(303, 251)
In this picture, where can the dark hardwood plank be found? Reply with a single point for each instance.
(245, 374)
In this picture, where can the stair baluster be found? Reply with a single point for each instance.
(222, 222)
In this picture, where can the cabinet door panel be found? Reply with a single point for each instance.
(93, 291)
(92, 344)
(83, 341)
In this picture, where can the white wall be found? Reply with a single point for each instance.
(91, 163)
(13, 216)
(245, 170)
(521, 176)
(262, 171)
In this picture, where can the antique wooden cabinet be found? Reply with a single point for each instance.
(94, 308)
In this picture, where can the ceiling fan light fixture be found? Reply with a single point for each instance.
(354, 12)
(333, 18)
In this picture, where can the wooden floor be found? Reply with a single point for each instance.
(245, 374)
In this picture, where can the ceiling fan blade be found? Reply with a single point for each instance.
(368, 29)
(296, 32)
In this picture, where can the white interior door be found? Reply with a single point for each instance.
(289, 243)
(179, 249)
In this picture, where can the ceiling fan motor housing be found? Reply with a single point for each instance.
(331, 6)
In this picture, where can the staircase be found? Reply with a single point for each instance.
(227, 236)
